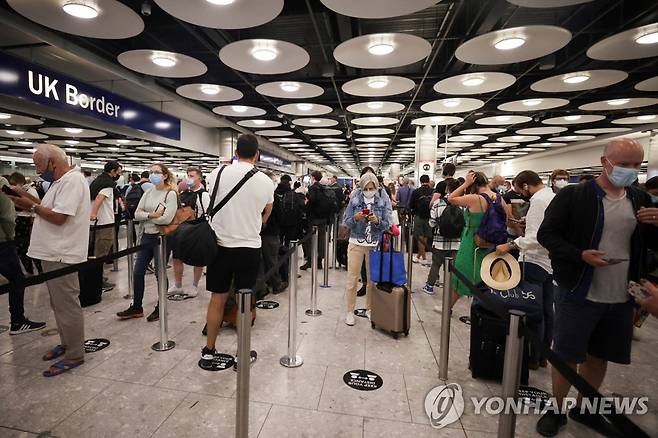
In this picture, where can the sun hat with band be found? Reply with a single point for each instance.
(500, 272)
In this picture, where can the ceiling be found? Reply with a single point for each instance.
(444, 68)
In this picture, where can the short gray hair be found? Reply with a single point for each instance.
(368, 178)
(51, 152)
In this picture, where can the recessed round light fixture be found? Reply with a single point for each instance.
(509, 43)
(437, 119)
(572, 118)
(14, 132)
(575, 79)
(81, 9)
(73, 130)
(315, 121)
(239, 108)
(532, 102)
(221, 2)
(4, 116)
(264, 54)
(378, 83)
(305, 106)
(503, 118)
(375, 105)
(162, 60)
(260, 122)
(114, 148)
(290, 87)
(162, 125)
(123, 141)
(648, 38)
(617, 102)
(381, 49)
(72, 141)
(647, 117)
(473, 81)
(210, 89)
(375, 119)
(25, 143)
(451, 103)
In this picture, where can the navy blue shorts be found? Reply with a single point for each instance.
(601, 330)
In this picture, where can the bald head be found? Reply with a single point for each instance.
(496, 181)
(623, 147)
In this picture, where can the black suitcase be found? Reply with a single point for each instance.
(487, 355)
(91, 278)
(341, 252)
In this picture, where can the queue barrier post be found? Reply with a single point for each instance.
(511, 372)
(115, 237)
(165, 343)
(325, 266)
(334, 243)
(410, 253)
(130, 241)
(244, 362)
(313, 311)
(292, 360)
(446, 313)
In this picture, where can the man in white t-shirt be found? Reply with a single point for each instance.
(102, 207)
(59, 239)
(237, 227)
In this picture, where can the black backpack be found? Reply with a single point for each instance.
(423, 205)
(133, 197)
(451, 222)
(189, 199)
(326, 204)
(290, 211)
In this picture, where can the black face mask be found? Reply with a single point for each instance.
(116, 177)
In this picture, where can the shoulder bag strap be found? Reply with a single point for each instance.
(214, 191)
(233, 191)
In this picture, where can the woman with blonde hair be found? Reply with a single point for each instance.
(157, 207)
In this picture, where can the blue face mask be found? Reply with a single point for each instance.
(622, 176)
(47, 175)
(155, 179)
(189, 182)
(654, 199)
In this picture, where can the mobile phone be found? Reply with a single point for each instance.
(9, 191)
(637, 290)
(365, 212)
(614, 261)
(161, 207)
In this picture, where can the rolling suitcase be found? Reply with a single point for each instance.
(391, 309)
(487, 353)
(91, 277)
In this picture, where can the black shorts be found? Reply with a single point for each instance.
(233, 266)
(601, 330)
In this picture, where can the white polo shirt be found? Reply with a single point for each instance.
(66, 243)
(239, 222)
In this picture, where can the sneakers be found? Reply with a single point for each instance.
(25, 327)
(369, 314)
(349, 319)
(131, 312)
(595, 422)
(361, 292)
(106, 286)
(305, 266)
(550, 423)
(193, 291)
(415, 259)
(155, 315)
(207, 355)
(175, 290)
(428, 289)
(252, 358)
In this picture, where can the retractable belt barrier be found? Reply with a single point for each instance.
(110, 225)
(284, 257)
(620, 421)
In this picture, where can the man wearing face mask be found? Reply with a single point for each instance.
(101, 192)
(497, 184)
(559, 180)
(597, 234)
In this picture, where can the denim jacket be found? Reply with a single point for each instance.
(381, 209)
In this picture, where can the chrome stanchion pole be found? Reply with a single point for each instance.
(313, 311)
(446, 312)
(130, 230)
(511, 372)
(410, 253)
(244, 362)
(165, 343)
(334, 242)
(325, 266)
(292, 360)
(115, 236)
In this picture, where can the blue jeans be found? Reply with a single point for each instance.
(10, 268)
(144, 257)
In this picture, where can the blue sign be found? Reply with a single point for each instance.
(32, 82)
(266, 157)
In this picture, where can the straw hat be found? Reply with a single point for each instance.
(501, 272)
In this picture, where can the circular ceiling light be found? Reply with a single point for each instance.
(648, 38)
(123, 141)
(473, 81)
(84, 10)
(4, 116)
(220, 2)
(315, 121)
(648, 117)
(239, 108)
(375, 119)
(378, 83)
(264, 54)
(290, 87)
(509, 43)
(14, 132)
(375, 105)
(572, 118)
(616, 102)
(503, 118)
(209, 89)
(575, 79)
(259, 122)
(72, 141)
(162, 60)
(73, 130)
(532, 102)
(450, 103)
(305, 106)
(437, 119)
(381, 49)
(24, 143)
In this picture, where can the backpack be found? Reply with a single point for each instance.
(326, 204)
(133, 197)
(189, 199)
(423, 205)
(451, 222)
(493, 228)
(290, 213)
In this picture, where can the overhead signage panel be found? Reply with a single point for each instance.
(24, 80)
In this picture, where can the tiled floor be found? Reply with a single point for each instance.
(129, 390)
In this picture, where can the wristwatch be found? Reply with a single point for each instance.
(33, 209)
(513, 245)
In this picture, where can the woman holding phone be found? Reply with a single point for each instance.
(157, 207)
(367, 216)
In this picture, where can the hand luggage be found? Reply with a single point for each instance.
(487, 352)
(91, 277)
(230, 316)
(391, 309)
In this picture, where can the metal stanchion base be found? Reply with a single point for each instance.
(291, 362)
(127, 297)
(324, 286)
(311, 312)
(159, 346)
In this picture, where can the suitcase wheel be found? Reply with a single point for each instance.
(395, 335)
(406, 332)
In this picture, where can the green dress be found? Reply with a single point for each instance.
(468, 261)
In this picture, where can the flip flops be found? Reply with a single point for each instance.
(61, 367)
(54, 353)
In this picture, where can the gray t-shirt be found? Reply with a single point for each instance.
(610, 283)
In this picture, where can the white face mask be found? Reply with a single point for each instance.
(369, 195)
(561, 183)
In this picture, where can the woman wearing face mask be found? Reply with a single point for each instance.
(157, 207)
(559, 180)
(367, 216)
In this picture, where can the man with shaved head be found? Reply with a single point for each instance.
(497, 184)
(60, 237)
(597, 234)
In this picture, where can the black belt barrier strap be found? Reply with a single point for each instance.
(284, 257)
(620, 421)
(110, 225)
(37, 279)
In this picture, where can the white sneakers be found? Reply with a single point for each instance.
(349, 318)
(193, 291)
(415, 258)
(175, 290)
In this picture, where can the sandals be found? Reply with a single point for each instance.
(54, 353)
(61, 367)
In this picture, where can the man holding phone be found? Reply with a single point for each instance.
(597, 234)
